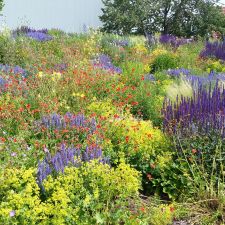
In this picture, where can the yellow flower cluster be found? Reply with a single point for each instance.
(162, 215)
(103, 108)
(54, 76)
(139, 138)
(140, 49)
(216, 66)
(81, 95)
(69, 198)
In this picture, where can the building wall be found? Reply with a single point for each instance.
(68, 15)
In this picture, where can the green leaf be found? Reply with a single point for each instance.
(99, 219)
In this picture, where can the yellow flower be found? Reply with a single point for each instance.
(40, 74)
(56, 76)
(82, 95)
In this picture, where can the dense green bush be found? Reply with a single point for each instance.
(164, 62)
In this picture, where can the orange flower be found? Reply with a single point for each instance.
(65, 131)
(149, 176)
(134, 103)
(142, 209)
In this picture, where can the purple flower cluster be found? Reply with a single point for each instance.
(151, 39)
(65, 157)
(3, 83)
(39, 36)
(61, 67)
(104, 62)
(173, 40)
(195, 80)
(23, 30)
(69, 120)
(13, 69)
(214, 50)
(120, 43)
(26, 29)
(202, 113)
(178, 72)
(149, 77)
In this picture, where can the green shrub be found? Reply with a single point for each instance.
(150, 96)
(164, 62)
(140, 143)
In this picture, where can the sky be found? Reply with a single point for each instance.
(68, 15)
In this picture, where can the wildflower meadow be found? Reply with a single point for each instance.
(98, 128)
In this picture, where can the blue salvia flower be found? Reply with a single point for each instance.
(172, 40)
(17, 70)
(221, 77)
(204, 112)
(65, 157)
(178, 72)
(149, 77)
(103, 61)
(26, 29)
(214, 50)
(121, 43)
(69, 120)
(39, 36)
(195, 80)
(3, 82)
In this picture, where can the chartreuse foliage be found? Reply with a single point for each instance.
(84, 195)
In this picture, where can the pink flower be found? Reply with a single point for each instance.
(12, 213)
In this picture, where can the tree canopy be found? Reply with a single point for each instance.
(1, 5)
(178, 17)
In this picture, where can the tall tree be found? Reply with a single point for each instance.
(1, 5)
(179, 17)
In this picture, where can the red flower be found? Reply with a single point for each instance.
(65, 131)
(194, 151)
(28, 106)
(2, 139)
(20, 109)
(127, 139)
(142, 209)
(134, 103)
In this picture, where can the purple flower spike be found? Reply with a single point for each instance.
(39, 36)
(65, 157)
(104, 62)
(214, 50)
